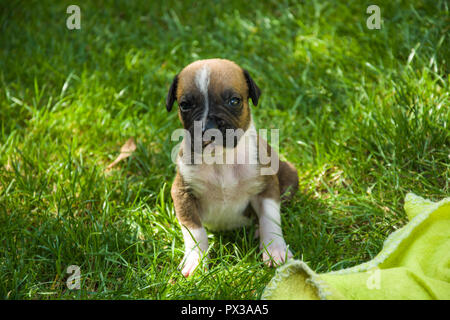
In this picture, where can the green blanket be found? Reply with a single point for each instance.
(413, 264)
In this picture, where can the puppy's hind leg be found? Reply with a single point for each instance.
(287, 179)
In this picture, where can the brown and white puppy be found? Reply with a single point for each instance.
(214, 95)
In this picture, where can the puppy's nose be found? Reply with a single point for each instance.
(210, 124)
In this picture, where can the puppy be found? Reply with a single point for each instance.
(213, 98)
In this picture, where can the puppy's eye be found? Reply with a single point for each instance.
(185, 106)
(234, 102)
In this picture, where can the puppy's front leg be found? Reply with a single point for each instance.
(195, 246)
(194, 235)
(267, 207)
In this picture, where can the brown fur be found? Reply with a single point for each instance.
(186, 205)
(287, 175)
(288, 179)
(224, 75)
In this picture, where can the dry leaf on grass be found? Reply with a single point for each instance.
(8, 166)
(127, 149)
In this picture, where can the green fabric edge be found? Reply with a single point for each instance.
(322, 290)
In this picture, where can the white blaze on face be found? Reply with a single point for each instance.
(202, 82)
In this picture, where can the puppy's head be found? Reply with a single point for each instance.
(213, 94)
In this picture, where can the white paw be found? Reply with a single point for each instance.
(190, 262)
(276, 252)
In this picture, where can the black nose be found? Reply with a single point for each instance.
(211, 123)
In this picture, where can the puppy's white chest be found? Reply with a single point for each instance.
(224, 192)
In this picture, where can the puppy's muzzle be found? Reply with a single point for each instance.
(212, 128)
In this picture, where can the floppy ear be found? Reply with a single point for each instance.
(172, 95)
(253, 90)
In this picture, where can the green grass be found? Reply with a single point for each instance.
(363, 114)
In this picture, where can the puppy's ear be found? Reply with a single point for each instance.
(172, 95)
(253, 90)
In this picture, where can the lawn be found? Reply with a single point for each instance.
(363, 114)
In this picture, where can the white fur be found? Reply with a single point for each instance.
(195, 246)
(224, 190)
(195, 239)
(202, 81)
(272, 242)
